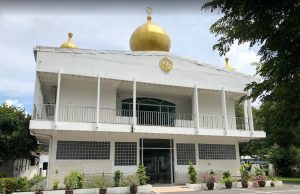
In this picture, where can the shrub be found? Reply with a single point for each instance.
(1, 185)
(192, 173)
(227, 177)
(118, 178)
(74, 180)
(14, 184)
(259, 171)
(141, 174)
(261, 178)
(55, 184)
(100, 182)
(209, 178)
(244, 174)
(133, 180)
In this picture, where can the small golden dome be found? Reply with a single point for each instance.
(69, 43)
(227, 65)
(149, 37)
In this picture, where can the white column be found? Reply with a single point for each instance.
(246, 115)
(49, 173)
(134, 103)
(196, 109)
(250, 116)
(224, 109)
(98, 101)
(57, 97)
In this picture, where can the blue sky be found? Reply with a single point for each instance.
(106, 27)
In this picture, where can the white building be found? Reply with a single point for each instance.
(103, 111)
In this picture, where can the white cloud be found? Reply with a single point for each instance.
(14, 102)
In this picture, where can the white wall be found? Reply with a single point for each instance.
(210, 104)
(76, 92)
(99, 166)
(83, 93)
(142, 65)
(38, 110)
(64, 167)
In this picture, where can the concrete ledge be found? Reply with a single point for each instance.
(110, 190)
(218, 186)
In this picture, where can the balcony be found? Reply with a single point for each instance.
(46, 112)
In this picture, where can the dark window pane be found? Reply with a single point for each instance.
(217, 152)
(185, 153)
(156, 143)
(125, 153)
(82, 150)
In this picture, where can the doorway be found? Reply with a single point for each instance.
(157, 157)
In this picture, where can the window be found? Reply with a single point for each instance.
(217, 152)
(185, 153)
(45, 165)
(125, 153)
(83, 150)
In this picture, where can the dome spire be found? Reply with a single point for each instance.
(149, 37)
(149, 12)
(227, 65)
(69, 43)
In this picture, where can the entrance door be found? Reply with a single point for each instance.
(157, 156)
(158, 165)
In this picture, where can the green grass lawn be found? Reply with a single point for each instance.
(290, 180)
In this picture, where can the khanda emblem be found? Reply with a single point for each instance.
(166, 64)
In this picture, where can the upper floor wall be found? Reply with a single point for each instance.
(143, 66)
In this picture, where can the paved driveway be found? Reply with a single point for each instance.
(286, 189)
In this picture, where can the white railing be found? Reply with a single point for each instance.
(165, 119)
(77, 114)
(115, 116)
(147, 118)
(211, 122)
(43, 112)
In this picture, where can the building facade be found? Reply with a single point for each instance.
(102, 111)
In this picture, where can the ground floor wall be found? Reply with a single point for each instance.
(60, 167)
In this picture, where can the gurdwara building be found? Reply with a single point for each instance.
(102, 111)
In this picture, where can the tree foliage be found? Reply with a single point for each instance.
(15, 139)
(275, 27)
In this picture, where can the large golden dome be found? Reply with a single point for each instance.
(149, 37)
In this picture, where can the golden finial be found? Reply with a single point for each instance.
(227, 65)
(69, 43)
(149, 12)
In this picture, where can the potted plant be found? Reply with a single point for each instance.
(39, 190)
(102, 183)
(227, 179)
(272, 183)
(118, 178)
(244, 176)
(73, 181)
(210, 180)
(192, 173)
(261, 180)
(260, 177)
(133, 182)
(141, 175)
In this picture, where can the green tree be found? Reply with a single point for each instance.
(274, 27)
(15, 139)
